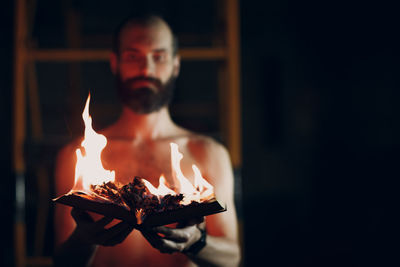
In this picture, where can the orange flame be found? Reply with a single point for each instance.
(206, 189)
(161, 190)
(200, 191)
(89, 169)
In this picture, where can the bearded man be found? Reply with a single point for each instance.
(145, 63)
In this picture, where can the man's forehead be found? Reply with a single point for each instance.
(154, 36)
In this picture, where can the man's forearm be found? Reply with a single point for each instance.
(218, 252)
(74, 253)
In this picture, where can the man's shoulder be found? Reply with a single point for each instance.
(203, 142)
(211, 157)
(205, 148)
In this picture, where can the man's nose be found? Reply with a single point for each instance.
(147, 66)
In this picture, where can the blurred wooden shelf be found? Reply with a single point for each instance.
(103, 40)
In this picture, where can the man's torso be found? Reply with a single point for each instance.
(147, 160)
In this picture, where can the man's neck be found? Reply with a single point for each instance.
(150, 126)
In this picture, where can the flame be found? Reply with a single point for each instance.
(150, 187)
(89, 169)
(206, 189)
(161, 190)
(198, 192)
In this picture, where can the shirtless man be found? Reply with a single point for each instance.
(145, 63)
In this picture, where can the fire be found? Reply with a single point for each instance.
(161, 190)
(206, 190)
(89, 169)
(200, 191)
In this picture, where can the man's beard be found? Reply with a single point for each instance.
(144, 100)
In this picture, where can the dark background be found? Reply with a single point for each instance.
(320, 93)
(321, 132)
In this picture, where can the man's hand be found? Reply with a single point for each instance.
(94, 232)
(170, 240)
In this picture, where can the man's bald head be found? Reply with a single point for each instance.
(147, 20)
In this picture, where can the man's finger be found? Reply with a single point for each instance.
(81, 216)
(177, 235)
(104, 221)
(168, 246)
(154, 239)
(163, 245)
(112, 232)
(119, 238)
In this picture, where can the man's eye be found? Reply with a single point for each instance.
(130, 57)
(159, 57)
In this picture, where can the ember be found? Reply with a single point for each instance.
(109, 191)
(139, 199)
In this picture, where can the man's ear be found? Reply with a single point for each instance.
(177, 65)
(113, 62)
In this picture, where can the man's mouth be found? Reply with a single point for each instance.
(143, 83)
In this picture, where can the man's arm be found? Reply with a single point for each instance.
(77, 234)
(221, 247)
(68, 247)
(80, 247)
(74, 252)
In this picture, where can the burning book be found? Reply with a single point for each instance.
(139, 201)
(134, 203)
